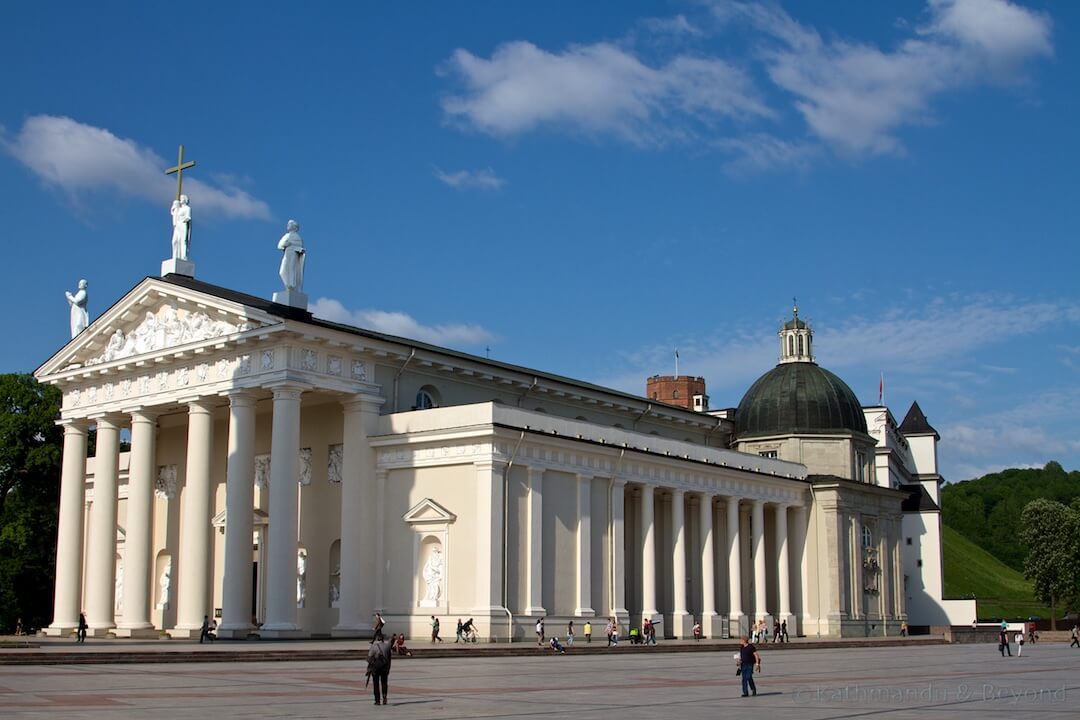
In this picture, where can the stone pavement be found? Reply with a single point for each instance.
(898, 683)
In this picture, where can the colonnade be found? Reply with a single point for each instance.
(93, 591)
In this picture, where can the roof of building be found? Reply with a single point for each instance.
(797, 398)
(917, 500)
(915, 423)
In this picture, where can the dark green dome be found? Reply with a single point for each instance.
(795, 398)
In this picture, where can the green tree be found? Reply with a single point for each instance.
(1051, 532)
(30, 444)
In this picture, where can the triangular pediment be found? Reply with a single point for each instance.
(258, 519)
(428, 511)
(153, 317)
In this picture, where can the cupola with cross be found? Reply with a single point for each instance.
(796, 339)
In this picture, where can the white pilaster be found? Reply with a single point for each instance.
(802, 533)
(239, 506)
(584, 547)
(681, 621)
(648, 553)
(194, 582)
(358, 487)
(757, 539)
(489, 544)
(534, 542)
(69, 537)
(101, 558)
(618, 551)
(380, 530)
(783, 569)
(138, 543)
(709, 627)
(734, 543)
(284, 474)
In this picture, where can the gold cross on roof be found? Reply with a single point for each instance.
(181, 166)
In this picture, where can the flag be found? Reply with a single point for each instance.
(881, 390)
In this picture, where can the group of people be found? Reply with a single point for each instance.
(466, 631)
(760, 632)
(647, 634)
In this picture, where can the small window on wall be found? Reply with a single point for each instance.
(426, 398)
(909, 541)
(867, 538)
(675, 394)
(918, 563)
(769, 454)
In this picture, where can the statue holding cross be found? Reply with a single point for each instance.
(181, 220)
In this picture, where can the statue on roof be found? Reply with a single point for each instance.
(292, 261)
(79, 316)
(181, 237)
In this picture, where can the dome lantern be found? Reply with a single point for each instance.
(796, 339)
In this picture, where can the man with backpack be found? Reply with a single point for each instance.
(378, 669)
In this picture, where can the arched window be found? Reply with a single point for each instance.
(674, 394)
(791, 345)
(427, 397)
(867, 538)
(800, 345)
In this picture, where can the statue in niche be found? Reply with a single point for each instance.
(79, 316)
(301, 578)
(335, 587)
(181, 235)
(433, 572)
(118, 589)
(165, 583)
(292, 262)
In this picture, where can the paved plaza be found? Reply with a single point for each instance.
(944, 681)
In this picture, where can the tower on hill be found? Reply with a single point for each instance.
(682, 390)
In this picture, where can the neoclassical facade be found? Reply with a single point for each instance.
(292, 476)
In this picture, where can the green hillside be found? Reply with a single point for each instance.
(999, 590)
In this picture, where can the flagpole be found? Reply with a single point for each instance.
(676, 362)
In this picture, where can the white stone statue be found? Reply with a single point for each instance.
(433, 570)
(301, 578)
(165, 583)
(79, 317)
(335, 587)
(292, 262)
(181, 234)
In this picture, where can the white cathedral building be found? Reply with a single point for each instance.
(292, 476)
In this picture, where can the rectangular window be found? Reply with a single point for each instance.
(909, 541)
(769, 454)
(918, 563)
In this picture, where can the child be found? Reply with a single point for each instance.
(556, 646)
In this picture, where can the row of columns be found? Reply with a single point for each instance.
(194, 552)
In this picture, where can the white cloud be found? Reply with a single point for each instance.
(483, 179)
(676, 25)
(855, 96)
(401, 324)
(596, 90)
(80, 158)
(759, 152)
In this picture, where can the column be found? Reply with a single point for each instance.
(101, 556)
(584, 547)
(798, 544)
(69, 537)
(380, 529)
(357, 601)
(735, 611)
(783, 569)
(138, 544)
(681, 622)
(618, 551)
(239, 511)
(708, 568)
(489, 546)
(648, 554)
(534, 542)
(284, 475)
(757, 539)
(194, 579)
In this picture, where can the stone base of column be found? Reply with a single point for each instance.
(360, 630)
(185, 632)
(235, 632)
(584, 612)
(712, 626)
(535, 611)
(102, 632)
(282, 634)
(143, 631)
(738, 625)
(60, 631)
(682, 626)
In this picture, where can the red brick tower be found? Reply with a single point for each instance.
(682, 390)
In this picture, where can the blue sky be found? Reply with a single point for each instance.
(583, 187)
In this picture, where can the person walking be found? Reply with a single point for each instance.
(588, 632)
(459, 627)
(80, 634)
(435, 630)
(378, 669)
(206, 633)
(1003, 643)
(379, 624)
(540, 632)
(1075, 637)
(570, 634)
(783, 632)
(749, 661)
(1020, 643)
(903, 628)
(612, 633)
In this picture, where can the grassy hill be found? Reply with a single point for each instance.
(999, 590)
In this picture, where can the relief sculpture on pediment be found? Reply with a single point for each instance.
(164, 329)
